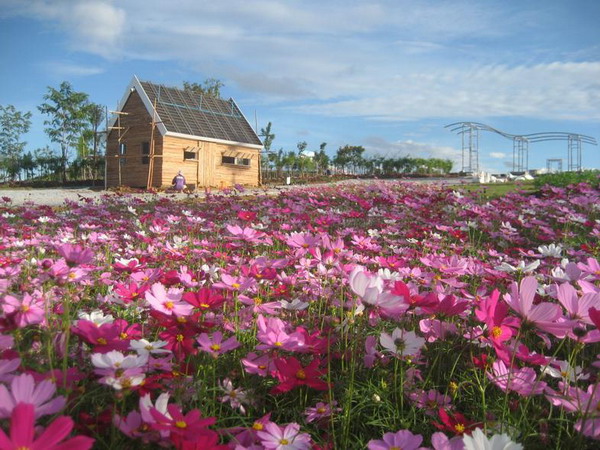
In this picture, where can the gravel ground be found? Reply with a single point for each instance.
(56, 197)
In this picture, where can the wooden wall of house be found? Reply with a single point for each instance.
(208, 169)
(136, 130)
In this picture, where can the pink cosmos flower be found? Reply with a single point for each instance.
(284, 438)
(546, 316)
(402, 439)
(236, 397)
(262, 365)
(522, 381)
(168, 302)
(577, 307)
(75, 254)
(22, 433)
(23, 389)
(7, 367)
(271, 333)
(439, 441)
(29, 310)
(321, 411)
(430, 401)
(215, 344)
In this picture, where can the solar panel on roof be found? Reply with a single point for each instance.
(200, 115)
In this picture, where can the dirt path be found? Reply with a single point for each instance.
(57, 196)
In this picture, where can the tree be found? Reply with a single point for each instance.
(13, 124)
(267, 136)
(211, 86)
(95, 116)
(67, 110)
(321, 158)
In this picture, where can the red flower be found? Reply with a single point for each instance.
(204, 299)
(291, 373)
(249, 216)
(104, 338)
(455, 423)
(204, 440)
(187, 426)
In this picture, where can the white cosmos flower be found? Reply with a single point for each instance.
(144, 346)
(161, 406)
(565, 371)
(294, 305)
(96, 316)
(551, 250)
(116, 360)
(124, 381)
(521, 267)
(479, 441)
(401, 342)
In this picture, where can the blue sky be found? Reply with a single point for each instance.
(385, 74)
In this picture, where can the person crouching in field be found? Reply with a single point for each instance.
(178, 182)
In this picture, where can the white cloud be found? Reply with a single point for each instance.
(93, 26)
(498, 155)
(66, 69)
(378, 146)
(391, 61)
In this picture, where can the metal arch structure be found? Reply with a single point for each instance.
(469, 132)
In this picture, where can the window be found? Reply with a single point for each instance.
(244, 162)
(187, 154)
(122, 152)
(145, 152)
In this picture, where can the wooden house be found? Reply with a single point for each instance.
(158, 131)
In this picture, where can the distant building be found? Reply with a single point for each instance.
(158, 131)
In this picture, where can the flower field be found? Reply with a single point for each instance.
(380, 316)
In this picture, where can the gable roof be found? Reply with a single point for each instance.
(188, 115)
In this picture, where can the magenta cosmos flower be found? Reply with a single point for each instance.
(402, 439)
(22, 433)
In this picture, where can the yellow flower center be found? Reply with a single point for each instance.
(181, 319)
(123, 336)
(235, 285)
(215, 347)
(169, 305)
(321, 410)
(180, 338)
(102, 341)
(277, 344)
(257, 300)
(496, 331)
(126, 383)
(257, 426)
(459, 427)
(395, 447)
(204, 305)
(284, 442)
(301, 375)
(149, 347)
(180, 424)
(25, 308)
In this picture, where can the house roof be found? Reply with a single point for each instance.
(185, 114)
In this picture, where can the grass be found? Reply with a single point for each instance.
(495, 190)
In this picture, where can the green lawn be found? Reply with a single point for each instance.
(495, 190)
